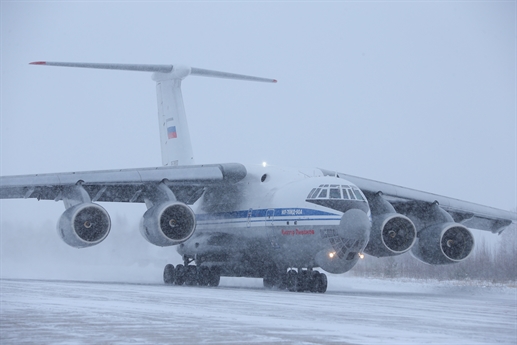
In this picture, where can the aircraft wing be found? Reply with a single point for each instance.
(127, 185)
(406, 199)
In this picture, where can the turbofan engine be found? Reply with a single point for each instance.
(444, 243)
(168, 223)
(84, 225)
(391, 234)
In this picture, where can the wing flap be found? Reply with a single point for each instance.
(128, 185)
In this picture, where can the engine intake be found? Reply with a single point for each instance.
(392, 234)
(168, 224)
(444, 244)
(84, 225)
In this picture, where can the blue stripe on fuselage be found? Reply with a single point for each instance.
(261, 213)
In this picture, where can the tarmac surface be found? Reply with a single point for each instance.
(353, 311)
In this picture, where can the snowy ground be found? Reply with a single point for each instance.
(112, 294)
(353, 311)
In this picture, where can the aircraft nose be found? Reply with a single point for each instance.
(355, 226)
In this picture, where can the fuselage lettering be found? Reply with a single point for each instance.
(328, 233)
(297, 232)
(292, 212)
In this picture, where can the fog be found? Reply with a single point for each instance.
(34, 252)
(418, 94)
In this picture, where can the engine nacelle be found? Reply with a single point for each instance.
(168, 223)
(84, 225)
(444, 243)
(391, 234)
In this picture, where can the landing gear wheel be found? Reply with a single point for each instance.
(303, 281)
(180, 274)
(323, 283)
(292, 280)
(203, 276)
(215, 277)
(168, 274)
(314, 281)
(191, 275)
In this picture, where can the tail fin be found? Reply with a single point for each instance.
(174, 134)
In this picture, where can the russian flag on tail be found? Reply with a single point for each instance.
(171, 132)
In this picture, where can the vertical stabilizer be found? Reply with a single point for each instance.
(172, 121)
(174, 133)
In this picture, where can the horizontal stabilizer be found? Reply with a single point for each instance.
(119, 66)
(155, 68)
(216, 74)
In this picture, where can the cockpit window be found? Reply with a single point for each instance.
(323, 194)
(358, 194)
(345, 194)
(314, 192)
(335, 193)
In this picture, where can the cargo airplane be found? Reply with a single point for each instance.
(254, 221)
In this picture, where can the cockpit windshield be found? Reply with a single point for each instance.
(334, 191)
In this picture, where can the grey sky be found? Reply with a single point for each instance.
(419, 94)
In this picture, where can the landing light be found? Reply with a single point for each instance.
(264, 164)
(361, 256)
(331, 254)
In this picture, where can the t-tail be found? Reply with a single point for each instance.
(174, 133)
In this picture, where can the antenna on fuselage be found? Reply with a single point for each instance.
(174, 134)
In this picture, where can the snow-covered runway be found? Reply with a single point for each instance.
(353, 311)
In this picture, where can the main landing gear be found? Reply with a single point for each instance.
(191, 275)
(299, 281)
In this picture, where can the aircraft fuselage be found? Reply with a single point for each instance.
(275, 219)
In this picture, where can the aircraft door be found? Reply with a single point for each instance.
(270, 217)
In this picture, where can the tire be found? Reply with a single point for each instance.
(203, 276)
(180, 274)
(292, 280)
(168, 274)
(190, 275)
(303, 281)
(314, 281)
(215, 277)
(323, 283)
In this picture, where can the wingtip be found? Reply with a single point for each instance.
(37, 63)
(275, 81)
